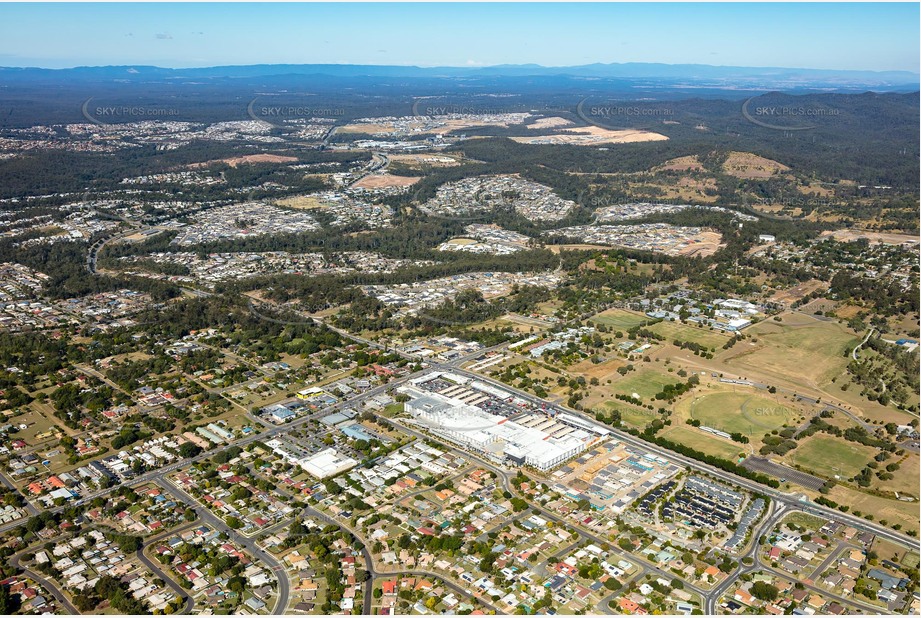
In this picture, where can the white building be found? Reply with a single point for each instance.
(494, 436)
(327, 463)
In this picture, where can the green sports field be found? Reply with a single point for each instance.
(744, 412)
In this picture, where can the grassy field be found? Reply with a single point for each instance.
(683, 332)
(704, 442)
(505, 322)
(830, 456)
(739, 411)
(632, 416)
(620, 319)
(603, 371)
(393, 409)
(906, 479)
(870, 410)
(889, 509)
(804, 520)
(800, 348)
(644, 382)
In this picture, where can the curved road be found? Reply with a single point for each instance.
(374, 573)
(155, 569)
(49, 585)
(281, 575)
(861, 344)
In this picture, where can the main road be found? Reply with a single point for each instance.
(748, 484)
(778, 496)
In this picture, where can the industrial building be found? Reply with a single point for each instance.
(326, 463)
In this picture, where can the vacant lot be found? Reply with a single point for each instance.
(683, 332)
(704, 442)
(689, 163)
(660, 188)
(799, 349)
(253, 158)
(603, 371)
(620, 319)
(829, 456)
(635, 417)
(863, 407)
(846, 235)
(644, 382)
(798, 291)
(804, 520)
(550, 122)
(384, 181)
(906, 479)
(883, 509)
(592, 136)
(301, 202)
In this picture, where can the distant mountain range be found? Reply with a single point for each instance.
(673, 76)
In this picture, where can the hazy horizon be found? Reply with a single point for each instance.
(449, 66)
(823, 36)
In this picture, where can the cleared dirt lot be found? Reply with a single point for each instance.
(419, 160)
(798, 291)
(300, 202)
(549, 123)
(873, 237)
(681, 164)
(592, 136)
(383, 181)
(256, 158)
(707, 243)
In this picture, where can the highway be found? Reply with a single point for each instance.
(96, 247)
(778, 496)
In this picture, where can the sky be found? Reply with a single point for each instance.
(859, 36)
